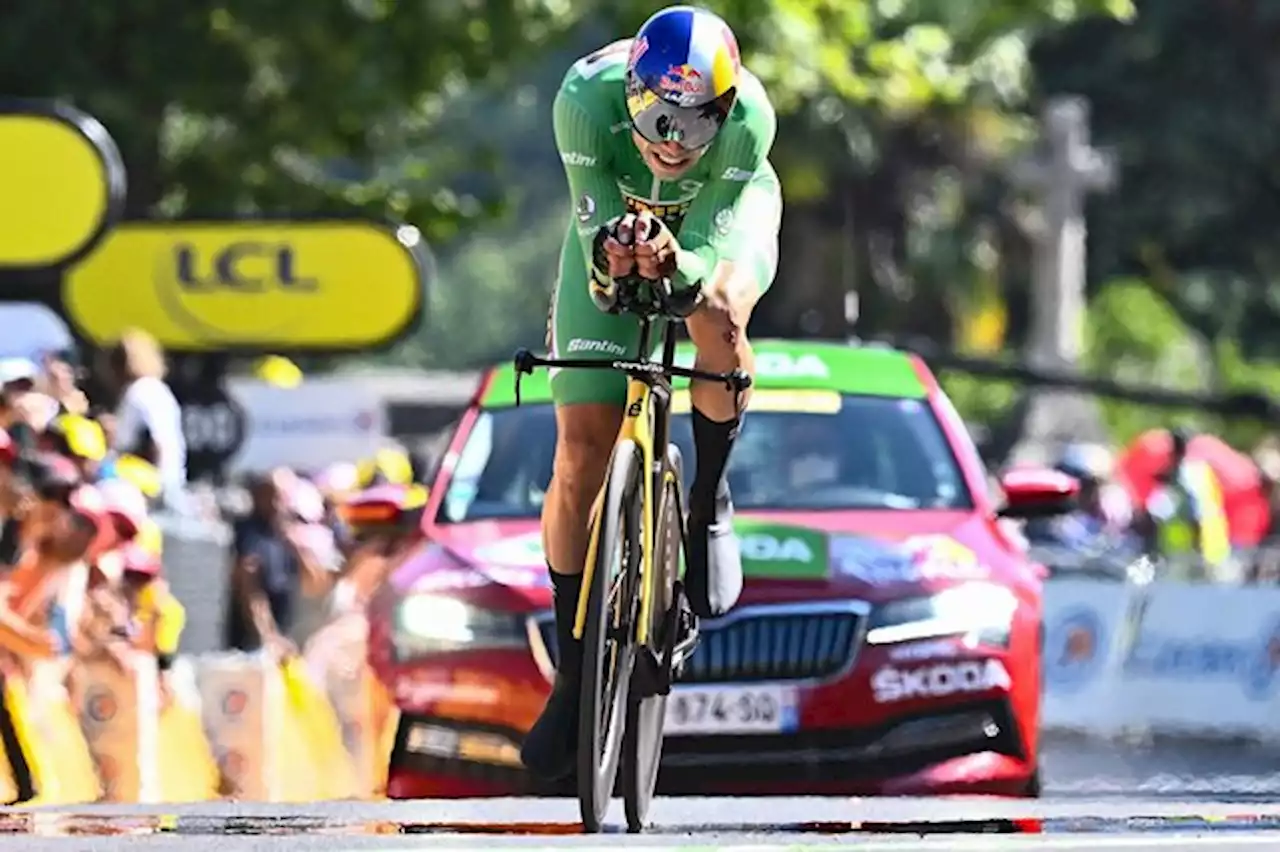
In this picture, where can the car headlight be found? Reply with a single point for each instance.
(432, 624)
(982, 610)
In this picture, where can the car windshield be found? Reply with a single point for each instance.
(859, 452)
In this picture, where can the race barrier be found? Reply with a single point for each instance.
(222, 725)
(1162, 658)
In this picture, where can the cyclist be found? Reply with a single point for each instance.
(665, 141)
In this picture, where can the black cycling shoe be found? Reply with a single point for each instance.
(713, 575)
(550, 749)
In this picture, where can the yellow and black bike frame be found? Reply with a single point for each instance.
(646, 422)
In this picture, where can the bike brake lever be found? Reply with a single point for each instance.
(739, 381)
(523, 362)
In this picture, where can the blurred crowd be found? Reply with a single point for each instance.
(312, 548)
(1193, 506)
(79, 484)
(85, 486)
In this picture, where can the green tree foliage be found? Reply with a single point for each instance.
(1160, 345)
(892, 153)
(1186, 94)
(895, 55)
(1158, 349)
(275, 106)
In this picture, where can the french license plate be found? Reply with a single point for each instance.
(730, 709)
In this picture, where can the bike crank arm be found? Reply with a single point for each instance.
(685, 647)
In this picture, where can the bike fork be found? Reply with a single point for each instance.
(656, 671)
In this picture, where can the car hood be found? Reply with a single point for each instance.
(871, 555)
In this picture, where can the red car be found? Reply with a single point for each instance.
(887, 640)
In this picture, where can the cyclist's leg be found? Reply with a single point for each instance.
(713, 577)
(589, 407)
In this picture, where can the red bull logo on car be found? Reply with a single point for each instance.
(684, 79)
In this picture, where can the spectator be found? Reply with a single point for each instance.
(41, 597)
(15, 500)
(103, 628)
(148, 421)
(1266, 565)
(59, 382)
(336, 484)
(1105, 511)
(386, 528)
(320, 539)
(79, 439)
(271, 570)
(24, 413)
(387, 467)
(156, 617)
(1186, 510)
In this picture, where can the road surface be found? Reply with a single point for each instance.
(1134, 796)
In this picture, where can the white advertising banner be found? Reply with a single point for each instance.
(1085, 625)
(321, 421)
(1206, 659)
(1171, 658)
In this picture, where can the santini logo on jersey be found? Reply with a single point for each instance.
(737, 174)
(573, 158)
(608, 347)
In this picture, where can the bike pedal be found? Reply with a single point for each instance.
(684, 649)
(686, 633)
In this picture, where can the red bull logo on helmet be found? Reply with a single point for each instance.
(683, 79)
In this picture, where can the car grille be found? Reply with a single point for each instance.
(769, 643)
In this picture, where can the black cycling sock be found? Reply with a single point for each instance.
(567, 589)
(712, 442)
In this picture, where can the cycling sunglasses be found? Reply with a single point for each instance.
(692, 127)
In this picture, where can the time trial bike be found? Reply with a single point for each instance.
(633, 620)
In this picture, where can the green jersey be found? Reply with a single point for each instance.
(607, 176)
(727, 207)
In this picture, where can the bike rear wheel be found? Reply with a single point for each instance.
(642, 745)
(608, 648)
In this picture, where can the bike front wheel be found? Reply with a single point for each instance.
(608, 647)
(646, 714)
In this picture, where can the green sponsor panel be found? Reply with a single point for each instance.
(780, 364)
(773, 551)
